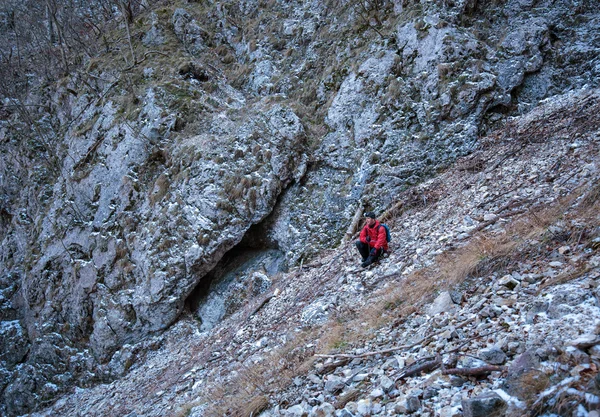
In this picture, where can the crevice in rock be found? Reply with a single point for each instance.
(5, 220)
(194, 71)
(245, 271)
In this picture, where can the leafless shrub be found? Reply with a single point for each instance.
(591, 197)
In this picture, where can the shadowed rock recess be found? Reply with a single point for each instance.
(173, 207)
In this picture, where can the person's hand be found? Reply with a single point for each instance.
(373, 251)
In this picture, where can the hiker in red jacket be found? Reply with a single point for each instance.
(373, 240)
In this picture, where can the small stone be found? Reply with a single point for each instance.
(386, 384)
(345, 413)
(493, 356)
(509, 282)
(400, 407)
(456, 381)
(430, 392)
(334, 384)
(489, 217)
(351, 407)
(314, 379)
(546, 352)
(413, 404)
(488, 404)
(594, 352)
(577, 355)
(586, 341)
(536, 308)
(564, 249)
(456, 296)
(533, 278)
(391, 364)
(447, 335)
(450, 412)
(360, 377)
(295, 411)
(364, 407)
(442, 304)
(324, 410)
(376, 393)
(401, 361)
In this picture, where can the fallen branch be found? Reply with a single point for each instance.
(263, 302)
(459, 347)
(353, 226)
(346, 398)
(89, 155)
(395, 210)
(511, 204)
(483, 370)
(507, 156)
(330, 367)
(424, 367)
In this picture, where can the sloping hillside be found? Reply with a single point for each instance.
(165, 167)
(489, 298)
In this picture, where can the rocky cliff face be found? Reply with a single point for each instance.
(487, 303)
(252, 124)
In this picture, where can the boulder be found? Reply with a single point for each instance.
(155, 36)
(524, 376)
(493, 356)
(442, 304)
(488, 404)
(13, 335)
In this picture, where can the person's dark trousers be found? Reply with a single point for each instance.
(365, 252)
(364, 249)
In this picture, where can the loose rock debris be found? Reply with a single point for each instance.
(518, 335)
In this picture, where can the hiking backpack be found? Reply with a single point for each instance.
(388, 236)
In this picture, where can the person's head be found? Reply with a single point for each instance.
(370, 218)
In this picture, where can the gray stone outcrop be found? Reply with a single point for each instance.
(488, 404)
(134, 185)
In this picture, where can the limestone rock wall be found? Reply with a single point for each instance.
(286, 118)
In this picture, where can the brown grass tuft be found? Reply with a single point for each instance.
(592, 197)
(255, 407)
(531, 384)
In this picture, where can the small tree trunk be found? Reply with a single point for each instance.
(128, 18)
(355, 220)
(50, 24)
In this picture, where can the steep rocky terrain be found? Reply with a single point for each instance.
(149, 208)
(493, 262)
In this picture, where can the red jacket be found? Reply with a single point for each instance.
(376, 234)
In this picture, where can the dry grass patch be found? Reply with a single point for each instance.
(255, 407)
(531, 384)
(590, 201)
(483, 255)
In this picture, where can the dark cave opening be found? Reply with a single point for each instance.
(243, 272)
